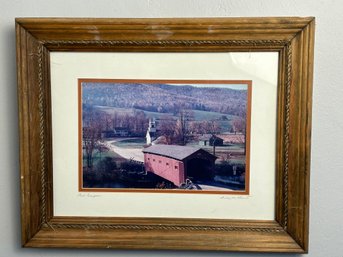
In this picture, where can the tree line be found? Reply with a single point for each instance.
(95, 122)
(180, 129)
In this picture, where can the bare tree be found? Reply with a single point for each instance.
(167, 127)
(195, 127)
(91, 134)
(102, 149)
(211, 127)
(115, 119)
(182, 130)
(108, 121)
(141, 122)
(238, 125)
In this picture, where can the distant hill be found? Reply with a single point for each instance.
(165, 98)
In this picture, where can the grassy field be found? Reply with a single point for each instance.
(97, 157)
(137, 142)
(205, 115)
(112, 110)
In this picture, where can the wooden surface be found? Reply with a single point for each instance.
(292, 37)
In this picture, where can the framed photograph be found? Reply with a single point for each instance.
(179, 134)
(164, 134)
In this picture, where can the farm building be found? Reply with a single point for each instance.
(116, 132)
(121, 132)
(210, 140)
(107, 134)
(177, 163)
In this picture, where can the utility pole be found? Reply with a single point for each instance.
(214, 144)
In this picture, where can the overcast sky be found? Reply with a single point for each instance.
(231, 86)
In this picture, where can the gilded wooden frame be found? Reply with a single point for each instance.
(292, 38)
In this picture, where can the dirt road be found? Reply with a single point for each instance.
(127, 153)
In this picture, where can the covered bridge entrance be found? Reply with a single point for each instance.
(177, 163)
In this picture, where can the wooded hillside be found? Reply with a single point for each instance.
(165, 98)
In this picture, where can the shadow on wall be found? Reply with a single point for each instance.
(10, 139)
(11, 175)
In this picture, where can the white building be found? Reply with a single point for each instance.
(151, 132)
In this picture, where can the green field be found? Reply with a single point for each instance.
(205, 115)
(97, 157)
(112, 110)
(137, 142)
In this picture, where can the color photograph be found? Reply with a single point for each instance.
(164, 135)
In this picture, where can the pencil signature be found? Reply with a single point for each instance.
(88, 195)
(233, 197)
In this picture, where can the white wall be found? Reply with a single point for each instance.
(326, 235)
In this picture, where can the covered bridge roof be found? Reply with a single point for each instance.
(177, 152)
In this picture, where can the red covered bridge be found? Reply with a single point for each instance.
(176, 163)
